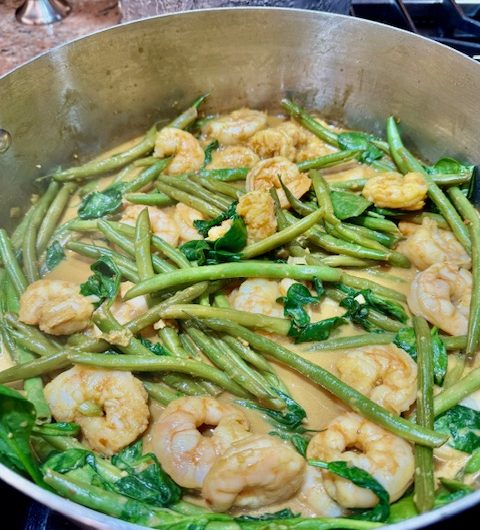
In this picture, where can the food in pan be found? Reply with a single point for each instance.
(247, 320)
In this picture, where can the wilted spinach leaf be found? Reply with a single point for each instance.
(406, 340)
(473, 193)
(17, 418)
(201, 251)
(286, 513)
(100, 203)
(347, 204)
(203, 227)
(463, 425)
(315, 331)
(211, 147)
(297, 440)
(357, 309)
(362, 479)
(65, 461)
(105, 282)
(387, 307)
(154, 347)
(55, 254)
(58, 429)
(293, 304)
(449, 166)
(361, 141)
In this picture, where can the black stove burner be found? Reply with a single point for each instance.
(442, 20)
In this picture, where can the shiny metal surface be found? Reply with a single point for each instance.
(39, 12)
(88, 95)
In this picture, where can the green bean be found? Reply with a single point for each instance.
(161, 393)
(149, 199)
(218, 186)
(153, 363)
(283, 237)
(158, 243)
(356, 282)
(337, 261)
(36, 367)
(419, 218)
(352, 184)
(245, 318)
(424, 480)
(452, 395)
(221, 300)
(373, 271)
(159, 264)
(10, 262)
(143, 255)
(247, 354)
(247, 269)
(145, 162)
(439, 179)
(19, 232)
(357, 401)
(53, 215)
(30, 337)
(300, 207)
(125, 265)
(194, 202)
(472, 219)
(100, 167)
(184, 384)
(374, 317)
(189, 115)
(455, 343)
(29, 250)
(146, 177)
(356, 341)
(194, 189)
(376, 223)
(406, 162)
(330, 160)
(454, 373)
(226, 174)
(385, 239)
(171, 341)
(323, 197)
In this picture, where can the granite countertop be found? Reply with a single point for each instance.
(20, 43)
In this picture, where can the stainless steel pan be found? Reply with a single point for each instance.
(87, 95)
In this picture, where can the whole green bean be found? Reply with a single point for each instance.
(376, 223)
(283, 237)
(384, 238)
(218, 186)
(53, 215)
(10, 262)
(472, 219)
(30, 337)
(330, 160)
(352, 184)
(356, 341)
(225, 175)
(146, 177)
(247, 269)
(374, 271)
(149, 199)
(184, 384)
(357, 401)
(188, 116)
(171, 341)
(357, 282)
(153, 363)
(143, 255)
(19, 232)
(146, 161)
(29, 249)
(247, 354)
(424, 480)
(161, 393)
(194, 202)
(452, 395)
(454, 373)
(36, 367)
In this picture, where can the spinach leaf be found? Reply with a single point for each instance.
(211, 147)
(128, 456)
(55, 254)
(449, 166)
(361, 141)
(290, 420)
(473, 193)
(357, 309)
(462, 425)
(406, 340)
(286, 513)
(100, 203)
(298, 296)
(362, 479)
(58, 429)
(347, 204)
(203, 227)
(17, 418)
(65, 461)
(403, 509)
(387, 307)
(105, 282)
(315, 331)
(201, 251)
(473, 464)
(235, 239)
(297, 440)
(154, 347)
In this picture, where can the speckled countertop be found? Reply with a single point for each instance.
(20, 43)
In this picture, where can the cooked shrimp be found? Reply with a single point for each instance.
(216, 232)
(184, 217)
(254, 472)
(236, 127)
(442, 294)
(314, 494)
(57, 307)
(183, 451)
(298, 135)
(388, 458)
(273, 142)
(391, 190)
(233, 156)
(119, 395)
(162, 222)
(266, 174)
(258, 295)
(126, 310)
(188, 155)
(428, 245)
(385, 374)
(258, 210)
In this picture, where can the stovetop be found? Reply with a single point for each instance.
(453, 24)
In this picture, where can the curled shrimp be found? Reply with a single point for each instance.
(255, 471)
(162, 222)
(233, 156)
(56, 306)
(258, 210)
(427, 245)
(267, 174)
(236, 127)
(273, 142)
(188, 155)
(391, 190)
(119, 396)
(258, 295)
(353, 439)
(385, 374)
(442, 294)
(314, 494)
(184, 452)
(184, 216)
